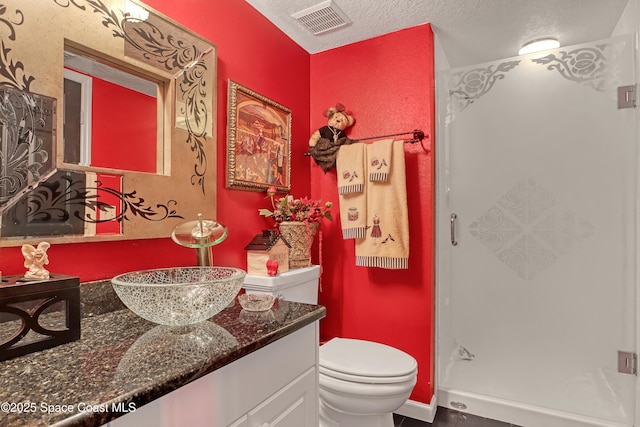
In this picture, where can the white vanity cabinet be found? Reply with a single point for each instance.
(291, 406)
(275, 386)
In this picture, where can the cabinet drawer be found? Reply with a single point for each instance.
(295, 405)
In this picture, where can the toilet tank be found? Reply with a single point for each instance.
(298, 285)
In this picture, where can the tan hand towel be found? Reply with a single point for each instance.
(386, 242)
(350, 168)
(379, 160)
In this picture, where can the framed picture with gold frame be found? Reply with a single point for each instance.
(258, 142)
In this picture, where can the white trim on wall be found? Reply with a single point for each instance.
(418, 410)
(86, 111)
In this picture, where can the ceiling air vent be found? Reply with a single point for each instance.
(323, 17)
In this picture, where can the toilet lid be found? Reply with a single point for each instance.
(351, 358)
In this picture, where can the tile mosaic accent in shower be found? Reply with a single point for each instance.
(528, 230)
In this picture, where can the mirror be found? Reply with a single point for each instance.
(96, 95)
(61, 175)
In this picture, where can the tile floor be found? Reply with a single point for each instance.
(450, 418)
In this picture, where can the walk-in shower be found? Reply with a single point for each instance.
(537, 190)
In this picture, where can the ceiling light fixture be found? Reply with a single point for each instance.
(539, 45)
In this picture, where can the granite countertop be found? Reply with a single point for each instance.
(122, 362)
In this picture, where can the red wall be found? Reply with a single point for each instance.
(131, 145)
(388, 84)
(252, 52)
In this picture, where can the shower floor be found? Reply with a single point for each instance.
(449, 418)
(564, 386)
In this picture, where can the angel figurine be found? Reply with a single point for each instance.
(34, 259)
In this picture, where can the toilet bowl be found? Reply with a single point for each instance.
(362, 383)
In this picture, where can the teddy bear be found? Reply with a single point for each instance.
(326, 141)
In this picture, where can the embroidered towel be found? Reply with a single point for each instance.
(386, 242)
(350, 168)
(379, 160)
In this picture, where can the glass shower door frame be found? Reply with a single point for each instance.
(475, 229)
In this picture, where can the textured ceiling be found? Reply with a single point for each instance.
(470, 31)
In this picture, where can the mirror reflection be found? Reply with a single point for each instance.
(97, 95)
(27, 140)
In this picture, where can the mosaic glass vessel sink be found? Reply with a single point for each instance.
(179, 296)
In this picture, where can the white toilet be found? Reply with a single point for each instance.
(361, 382)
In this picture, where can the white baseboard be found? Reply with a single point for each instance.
(418, 410)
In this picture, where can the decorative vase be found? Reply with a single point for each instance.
(299, 235)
